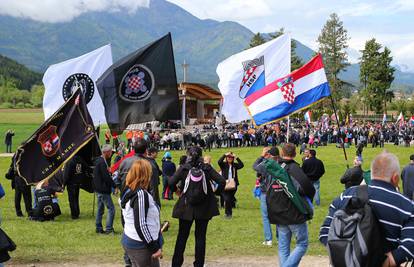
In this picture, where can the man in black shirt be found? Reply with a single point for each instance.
(314, 169)
(8, 140)
(353, 176)
(103, 184)
(76, 170)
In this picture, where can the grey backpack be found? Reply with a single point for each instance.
(355, 238)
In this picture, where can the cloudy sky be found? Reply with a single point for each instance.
(391, 22)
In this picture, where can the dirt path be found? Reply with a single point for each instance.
(307, 261)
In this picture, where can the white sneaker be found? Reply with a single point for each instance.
(267, 243)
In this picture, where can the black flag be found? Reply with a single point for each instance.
(59, 138)
(141, 87)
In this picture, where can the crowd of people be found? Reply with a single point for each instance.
(245, 135)
(287, 186)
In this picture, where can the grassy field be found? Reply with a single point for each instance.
(67, 240)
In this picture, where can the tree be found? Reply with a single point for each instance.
(37, 95)
(256, 40)
(295, 61)
(376, 75)
(401, 106)
(332, 44)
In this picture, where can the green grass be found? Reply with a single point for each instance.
(67, 240)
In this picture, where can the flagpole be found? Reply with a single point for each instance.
(339, 127)
(185, 66)
(287, 132)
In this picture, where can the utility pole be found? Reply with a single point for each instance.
(185, 66)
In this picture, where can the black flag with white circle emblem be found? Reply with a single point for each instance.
(141, 87)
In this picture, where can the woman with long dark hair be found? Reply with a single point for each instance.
(197, 203)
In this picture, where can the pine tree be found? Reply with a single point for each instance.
(376, 75)
(256, 40)
(332, 44)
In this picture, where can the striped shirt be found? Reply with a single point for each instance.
(394, 212)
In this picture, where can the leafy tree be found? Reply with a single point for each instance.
(401, 106)
(23, 77)
(332, 44)
(376, 75)
(256, 40)
(37, 95)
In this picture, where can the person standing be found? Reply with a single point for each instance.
(299, 228)
(168, 170)
(141, 237)
(152, 154)
(267, 153)
(407, 176)
(20, 189)
(8, 140)
(314, 169)
(395, 212)
(353, 176)
(141, 151)
(103, 184)
(76, 170)
(191, 207)
(229, 170)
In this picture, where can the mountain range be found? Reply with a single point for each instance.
(201, 43)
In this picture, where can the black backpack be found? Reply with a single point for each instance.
(195, 187)
(355, 238)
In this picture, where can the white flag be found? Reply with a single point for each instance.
(248, 71)
(62, 79)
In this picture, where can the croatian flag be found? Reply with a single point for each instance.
(55, 139)
(412, 120)
(308, 115)
(249, 71)
(294, 92)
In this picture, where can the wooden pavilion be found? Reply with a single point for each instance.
(201, 102)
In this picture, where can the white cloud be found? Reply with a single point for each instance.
(225, 10)
(64, 10)
(404, 56)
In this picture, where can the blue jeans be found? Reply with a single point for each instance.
(317, 186)
(300, 231)
(267, 228)
(105, 200)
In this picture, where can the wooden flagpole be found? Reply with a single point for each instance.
(339, 132)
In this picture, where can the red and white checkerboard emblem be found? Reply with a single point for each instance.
(47, 147)
(135, 83)
(49, 141)
(287, 87)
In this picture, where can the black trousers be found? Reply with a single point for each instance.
(228, 197)
(200, 242)
(27, 197)
(73, 196)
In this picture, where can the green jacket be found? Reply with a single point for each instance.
(280, 175)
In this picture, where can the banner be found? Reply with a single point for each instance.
(289, 94)
(58, 139)
(141, 87)
(63, 79)
(246, 72)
